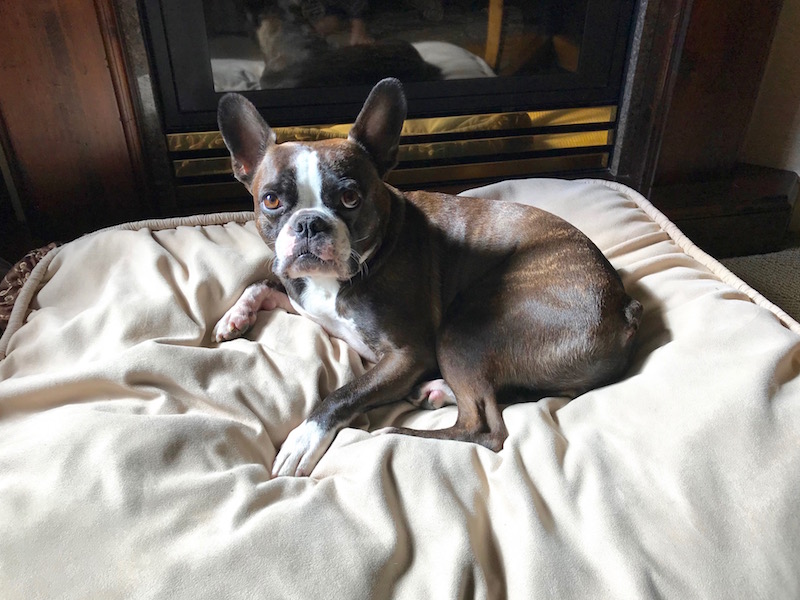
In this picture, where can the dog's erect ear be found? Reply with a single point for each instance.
(246, 135)
(378, 125)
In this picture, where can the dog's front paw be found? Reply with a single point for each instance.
(302, 450)
(234, 323)
(262, 295)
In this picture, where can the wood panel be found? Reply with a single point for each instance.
(726, 208)
(64, 131)
(726, 48)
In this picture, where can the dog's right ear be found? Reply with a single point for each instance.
(246, 135)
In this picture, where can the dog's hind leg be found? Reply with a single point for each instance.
(465, 356)
(482, 423)
(479, 419)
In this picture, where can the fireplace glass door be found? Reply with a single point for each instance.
(307, 60)
(263, 44)
(495, 88)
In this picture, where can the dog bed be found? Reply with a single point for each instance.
(135, 453)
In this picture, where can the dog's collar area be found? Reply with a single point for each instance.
(386, 237)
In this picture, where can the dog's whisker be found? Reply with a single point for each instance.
(356, 257)
(363, 268)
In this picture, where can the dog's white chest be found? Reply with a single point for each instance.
(318, 303)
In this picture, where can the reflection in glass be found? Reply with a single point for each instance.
(270, 44)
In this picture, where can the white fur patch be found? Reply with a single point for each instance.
(301, 451)
(308, 179)
(318, 303)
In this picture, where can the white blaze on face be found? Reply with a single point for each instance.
(308, 179)
(309, 195)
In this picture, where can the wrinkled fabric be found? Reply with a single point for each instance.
(135, 453)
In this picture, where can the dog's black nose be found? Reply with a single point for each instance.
(310, 225)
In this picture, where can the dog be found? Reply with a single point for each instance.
(455, 300)
(296, 54)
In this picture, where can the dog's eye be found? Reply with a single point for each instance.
(350, 198)
(270, 201)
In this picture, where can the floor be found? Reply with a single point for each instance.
(775, 275)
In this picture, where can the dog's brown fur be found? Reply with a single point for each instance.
(503, 301)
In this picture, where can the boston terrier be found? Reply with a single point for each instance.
(455, 300)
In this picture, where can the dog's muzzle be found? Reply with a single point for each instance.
(312, 242)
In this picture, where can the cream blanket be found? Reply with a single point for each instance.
(135, 454)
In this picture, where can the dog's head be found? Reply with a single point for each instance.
(321, 206)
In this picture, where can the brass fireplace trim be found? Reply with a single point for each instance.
(222, 166)
(209, 193)
(498, 169)
(481, 124)
(446, 149)
(416, 153)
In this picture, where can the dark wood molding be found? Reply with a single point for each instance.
(718, 77)
(160, 185)
(746, 211)
(118, 69)
(15, 238)
(725, 207)
(656, 45)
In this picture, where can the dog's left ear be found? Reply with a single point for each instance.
(246, 135)
(378, 125)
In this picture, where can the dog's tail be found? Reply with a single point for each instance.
(633, 317)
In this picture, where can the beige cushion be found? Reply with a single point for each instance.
(135, 453)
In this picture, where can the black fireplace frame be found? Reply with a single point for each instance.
(179, 55)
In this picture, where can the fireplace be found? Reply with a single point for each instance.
(496, 88)
(121, 96)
